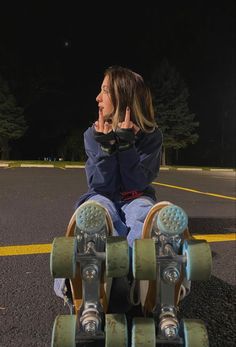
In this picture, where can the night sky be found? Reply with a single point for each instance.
(67, 45)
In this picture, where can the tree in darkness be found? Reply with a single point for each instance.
(176, 121)
(12, 121)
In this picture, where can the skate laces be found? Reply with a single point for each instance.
(134, 291)
(182, 292)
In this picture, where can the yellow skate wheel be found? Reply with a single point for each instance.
(143, 332)
(199, 260)
(116, 331)
(144, 259)
(117, 256)
(63, 257)
(194, 333)
(64, 331)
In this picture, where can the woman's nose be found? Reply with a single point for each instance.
(98, 98)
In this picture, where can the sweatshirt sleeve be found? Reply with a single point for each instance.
(140, 165)
(101, 168)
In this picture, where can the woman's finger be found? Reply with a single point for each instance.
(127, 118)
(100, 122)
(106, 128)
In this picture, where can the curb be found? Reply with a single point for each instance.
(37, 165)
(231, 170)
(188, 169)
(162, 168)
(74, 166)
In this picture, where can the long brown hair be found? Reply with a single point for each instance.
(127, 88)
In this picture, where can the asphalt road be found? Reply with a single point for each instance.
(36, 205)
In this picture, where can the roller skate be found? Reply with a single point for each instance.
(165, 261)
(89, 257)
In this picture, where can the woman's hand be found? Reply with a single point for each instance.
(128, 124)
(102, 126)
(104, 135)
(126, 132)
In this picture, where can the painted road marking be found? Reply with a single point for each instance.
(195, 191)
(46, 248)
(25, 249)
(157, 183)
(216, 237)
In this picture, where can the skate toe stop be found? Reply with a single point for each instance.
(90, 217)
(172, 220)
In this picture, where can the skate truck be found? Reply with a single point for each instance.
(164, 262)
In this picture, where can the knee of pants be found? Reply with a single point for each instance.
(107, 203)
(137, 210)
(103, 200)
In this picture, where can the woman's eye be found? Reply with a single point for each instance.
(105, 90)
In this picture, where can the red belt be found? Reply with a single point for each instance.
(133, 194)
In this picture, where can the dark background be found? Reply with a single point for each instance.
(67, 45)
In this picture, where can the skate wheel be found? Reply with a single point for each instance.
(143, 332)
(172, 220)
(117, 257)
(63, 257)
(90, 217)
(144, 259)
(199, 260)
(194, 333)
(116, 330)
(64, 331)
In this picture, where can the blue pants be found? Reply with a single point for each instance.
(128, 217)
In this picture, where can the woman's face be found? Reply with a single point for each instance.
(103, 99)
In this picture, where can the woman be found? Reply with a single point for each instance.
(123, 148)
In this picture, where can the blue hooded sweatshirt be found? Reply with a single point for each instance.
(123, 175)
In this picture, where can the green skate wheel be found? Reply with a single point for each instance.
(117, 256)
(195, 333)
(116, 330)
(172, 220)
(63, 257)
(144, 259)
(64, 331)
(143, 332)
(199, 260)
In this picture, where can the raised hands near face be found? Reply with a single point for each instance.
(102, 125)
(127, 123)
(104, 134)
(126, 132)
(123, 137)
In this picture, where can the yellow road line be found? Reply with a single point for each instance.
(216, 237)
(46, 248)
(195, 191)
(25, 249)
